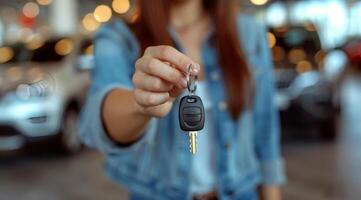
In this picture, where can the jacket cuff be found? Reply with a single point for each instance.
(94, 134)
(272, 172)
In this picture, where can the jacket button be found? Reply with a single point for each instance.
(226, 145)
(222, 106)
(214, 76)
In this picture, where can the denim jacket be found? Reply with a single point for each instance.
(158, 165)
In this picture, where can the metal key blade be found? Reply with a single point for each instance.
(193, 142)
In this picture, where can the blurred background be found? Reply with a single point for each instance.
(46, 53)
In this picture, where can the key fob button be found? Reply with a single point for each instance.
(191, 110)
(192, 118)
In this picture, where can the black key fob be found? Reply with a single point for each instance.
(191, 113)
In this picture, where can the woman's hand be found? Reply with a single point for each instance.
(160, 76)
(270, 192)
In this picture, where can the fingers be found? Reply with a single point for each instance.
(160, 69)
(176, 91)
(170, 54)
(160, 76)
(151, 83)
(149, 99)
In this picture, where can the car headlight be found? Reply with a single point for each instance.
(41, 85)
(38, 89)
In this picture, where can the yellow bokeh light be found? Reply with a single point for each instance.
(25, 33)
(44, 2)
(319, 56)
(6, 54)
(90, 23)
(33, 42)
(296, 55)
(259, 2)
(64, 47)
(271, 40)
(121, 6)
(89, 50)
(31, 9)
(303, 66)
(102, 13)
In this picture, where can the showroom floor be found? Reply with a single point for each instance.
(329, 170)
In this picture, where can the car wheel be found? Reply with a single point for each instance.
(69, 141)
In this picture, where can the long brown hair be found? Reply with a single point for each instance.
(152, 29)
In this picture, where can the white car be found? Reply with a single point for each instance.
(42, 87)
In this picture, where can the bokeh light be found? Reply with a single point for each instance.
(6, 54)
(89, 50)
(24, 34)
(64, 47)
(303, 66)
(259, 2)
(102, 13)
(34, 41)
(44, 2)
(34, 44)
(276, 14)
(296, 55)
(90, 23)
(271, 40)
(319, 56)
(31, 10)
(121, 6)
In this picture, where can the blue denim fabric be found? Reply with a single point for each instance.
(246, 195)
(157, 166)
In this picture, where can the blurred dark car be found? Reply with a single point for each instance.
(305, 97)
(42, 87)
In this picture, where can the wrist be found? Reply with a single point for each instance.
(139, 110)
(270, 192)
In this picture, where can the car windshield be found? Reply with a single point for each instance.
(36, 51)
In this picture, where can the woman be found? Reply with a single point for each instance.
(131, 113)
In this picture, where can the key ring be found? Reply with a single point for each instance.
(191, 81)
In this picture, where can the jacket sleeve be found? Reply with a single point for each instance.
(267, 131)
(113, 69)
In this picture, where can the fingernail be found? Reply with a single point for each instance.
(195, 71)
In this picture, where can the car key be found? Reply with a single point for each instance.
(191, 112)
